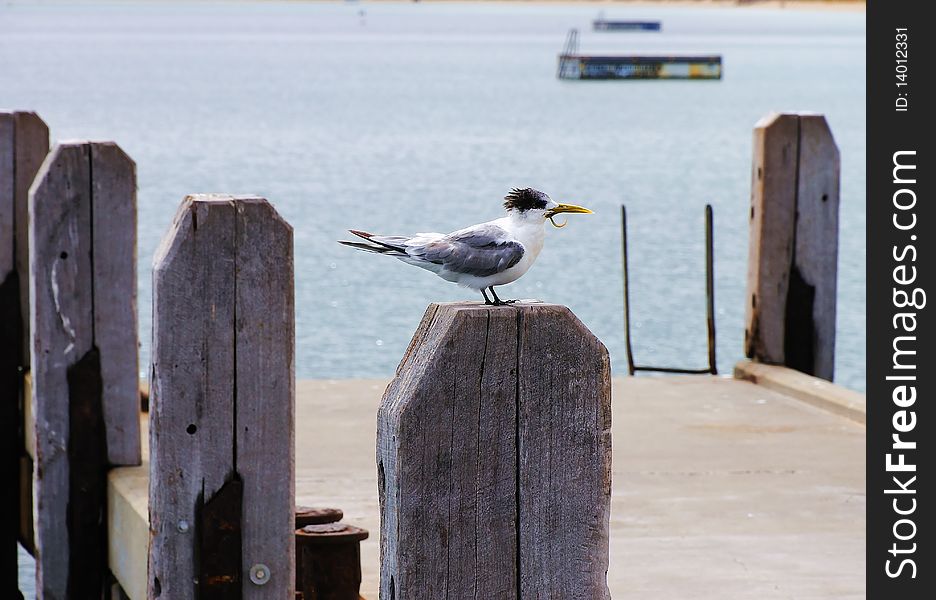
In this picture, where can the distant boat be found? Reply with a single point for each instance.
(600, 24)
(573, 65)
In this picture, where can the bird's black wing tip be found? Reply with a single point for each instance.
(365, 247)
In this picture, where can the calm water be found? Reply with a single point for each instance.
(415, 117)
(418, 117)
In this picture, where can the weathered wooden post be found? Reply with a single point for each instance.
(82, 232)
(222, 484)
(790, 308)
(494, 457)
(83, 328)
(24, 143)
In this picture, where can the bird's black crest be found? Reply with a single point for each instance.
(525, 199)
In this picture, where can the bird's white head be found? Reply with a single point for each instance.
(530, 204)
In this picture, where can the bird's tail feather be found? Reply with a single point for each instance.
(371, 248)
(393, 242)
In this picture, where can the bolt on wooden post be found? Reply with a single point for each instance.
(83, 342)
(222, 486)
(792, 261)
(24, 143)
(494, 457)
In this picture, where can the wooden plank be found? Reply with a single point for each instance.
(456, 498)
(564, 434)
(29, 417)
(816, 252)
(446, 452)
(10, 344)
(222, 390)
(7, 193)
(490, 474)
(80, 398)
(113, 230)
(62, 333)
(412, 368)
(32, 147)
(24, 142)
(265, 405)
(772, 221)
(192, 430)
(87, 479)
(26, 534)
(790, 309)
(219, 546)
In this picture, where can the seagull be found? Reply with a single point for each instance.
(479, 257)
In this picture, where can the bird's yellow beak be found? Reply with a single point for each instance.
(568, 208)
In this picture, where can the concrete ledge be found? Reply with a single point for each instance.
(717, 492)
(818, 392)
(128, 527)
(128, 521)
(29, 417)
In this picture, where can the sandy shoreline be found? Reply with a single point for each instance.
(823, 5)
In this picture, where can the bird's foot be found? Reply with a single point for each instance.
(497, 301)
(503, 302)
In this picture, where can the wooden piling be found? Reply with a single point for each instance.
(494, 457)
(222, 487)
(791, 284)
(82, 237)
(24, 143)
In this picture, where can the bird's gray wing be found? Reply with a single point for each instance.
(482, 251)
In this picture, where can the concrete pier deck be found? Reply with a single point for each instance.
(722, 488)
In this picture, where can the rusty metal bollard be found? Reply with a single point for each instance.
(307, 515)
(328, 555)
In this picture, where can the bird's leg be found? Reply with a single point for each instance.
(487, 300)
(498, 301)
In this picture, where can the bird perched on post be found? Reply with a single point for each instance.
(481, 256)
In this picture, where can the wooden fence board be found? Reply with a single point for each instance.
(565, 457)
(790, 306)
(816, 248)
(24, 142)
(32, 147)
(772, 221)
(10, 344)
(62, 331)
(462, 512)
(82, 285)
(265, 364)
(113, 230)
(7, 193)
(192, 432)
(222, 398)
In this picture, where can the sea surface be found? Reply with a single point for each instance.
(401, 118)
